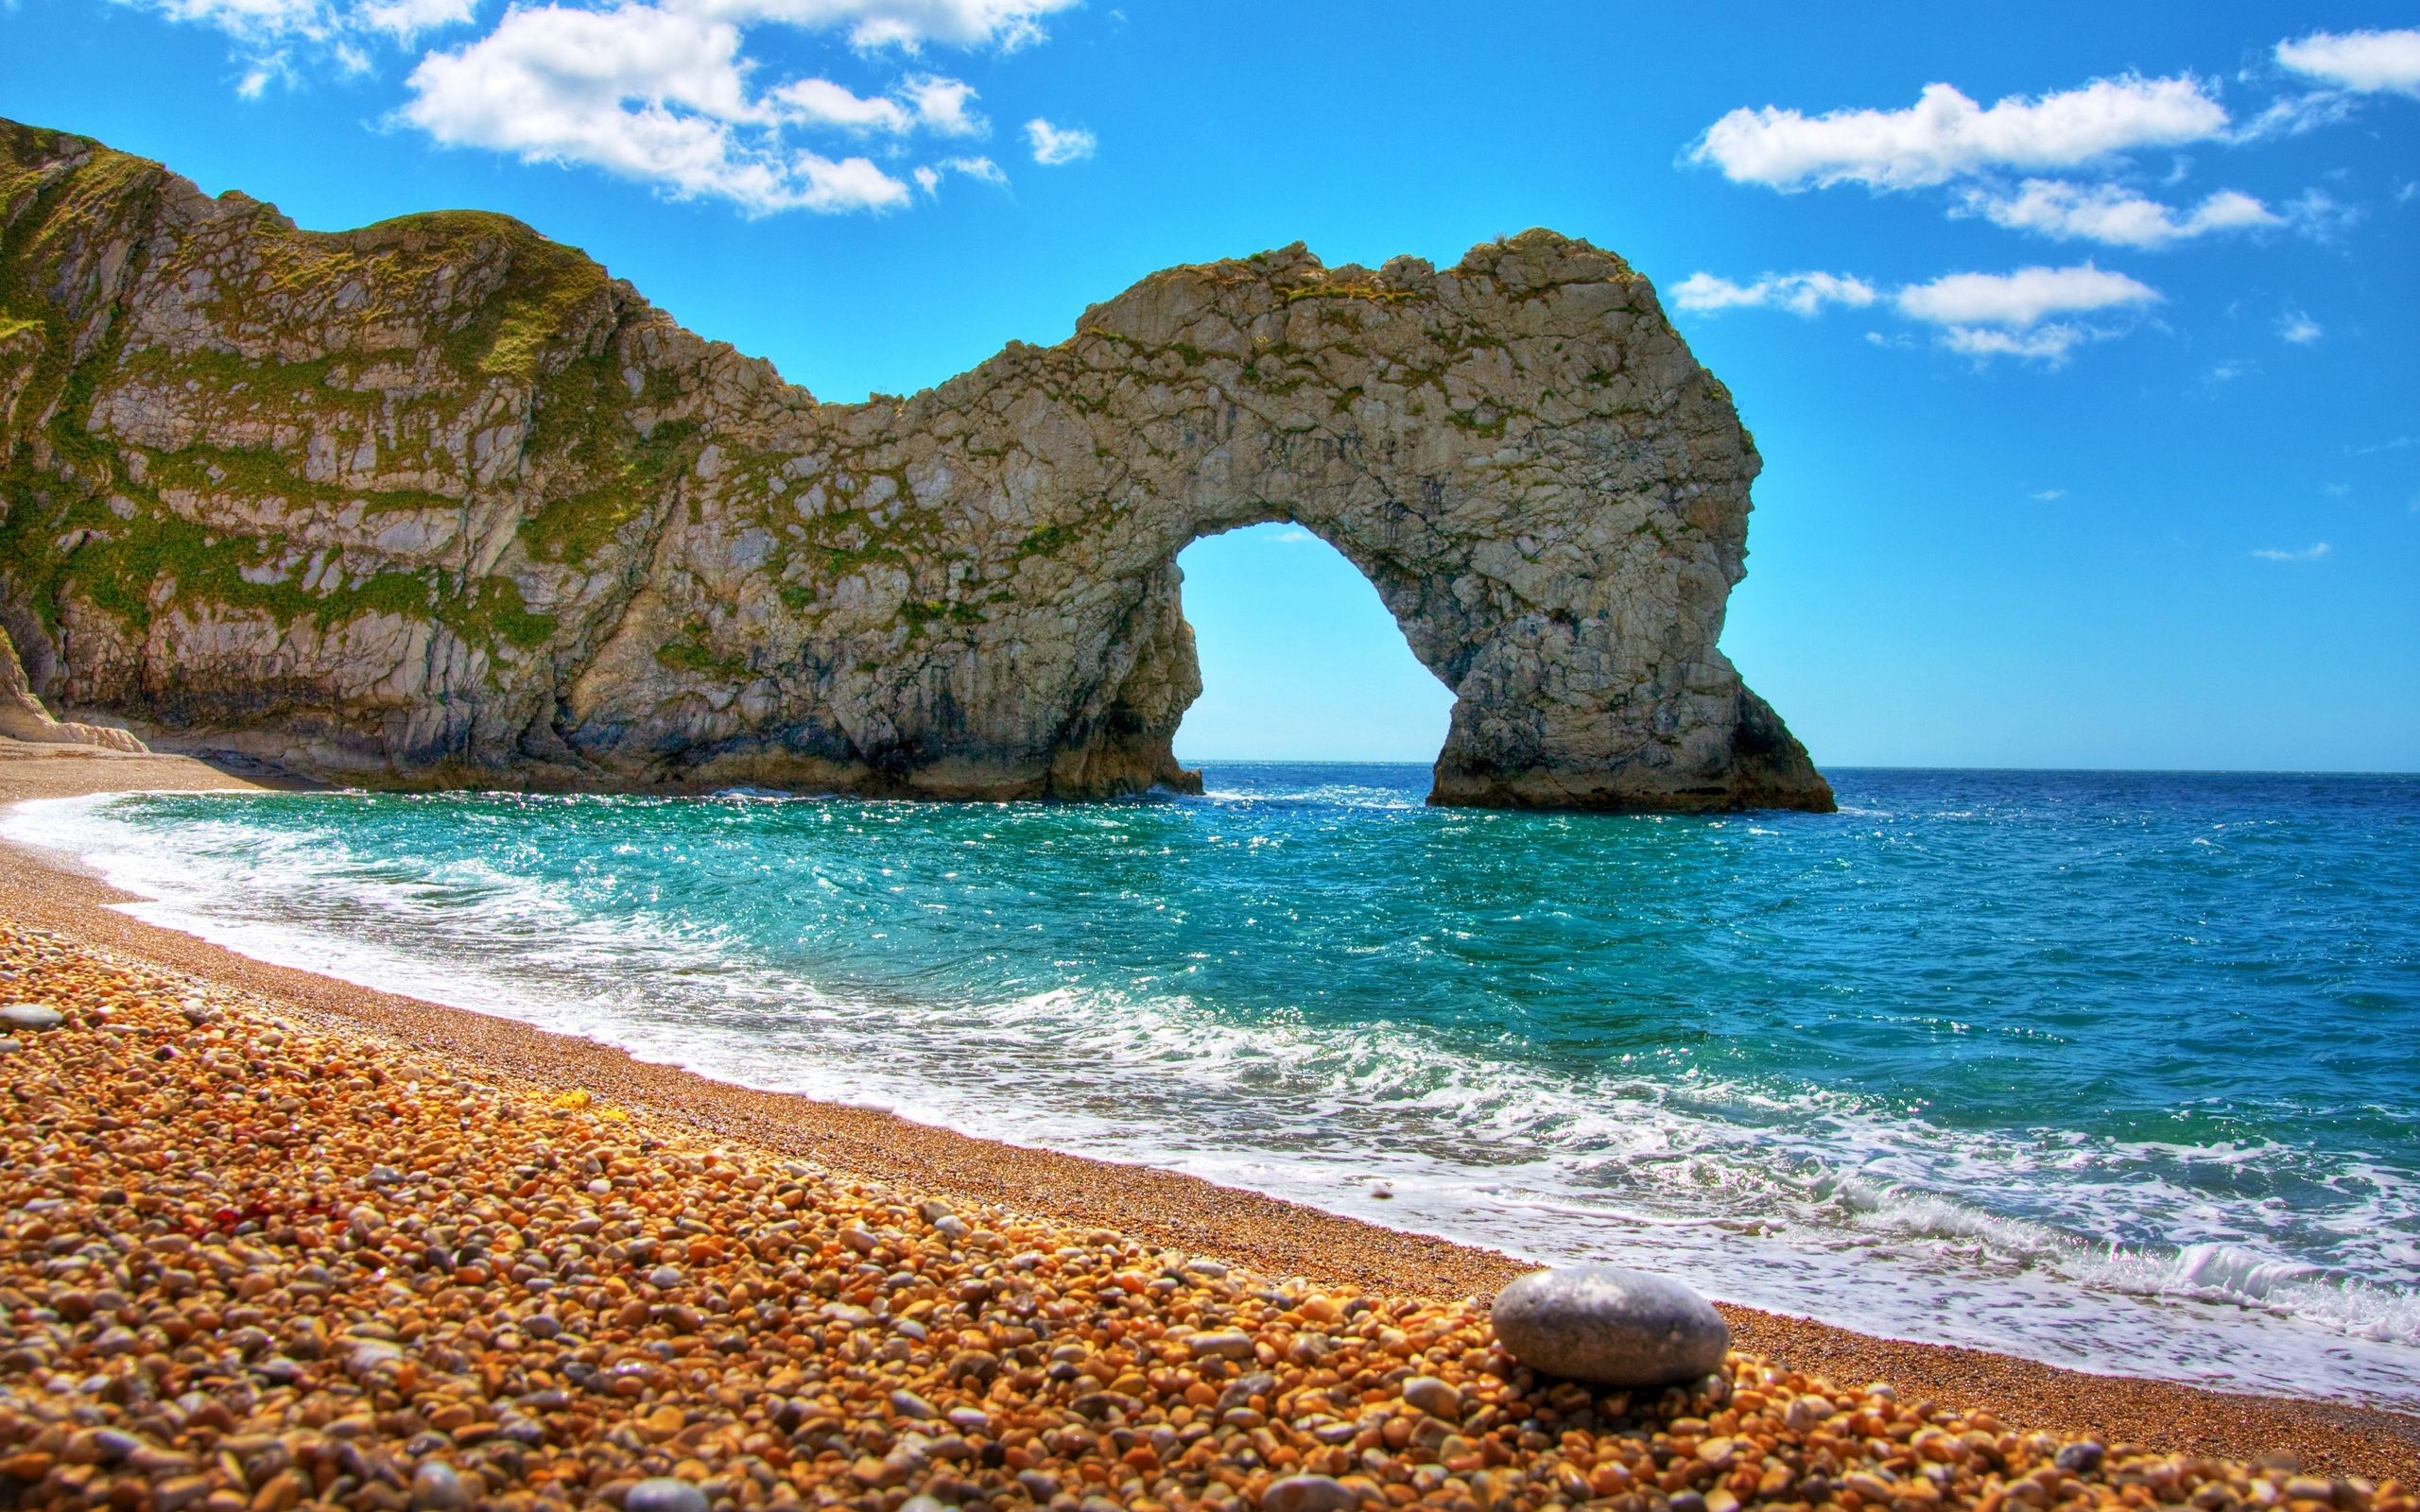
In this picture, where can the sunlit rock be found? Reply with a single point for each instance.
(439, 503)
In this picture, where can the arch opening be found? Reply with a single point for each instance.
(1300, 658)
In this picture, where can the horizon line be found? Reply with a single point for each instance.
(1862, 766)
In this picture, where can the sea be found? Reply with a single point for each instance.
(2119, 1071)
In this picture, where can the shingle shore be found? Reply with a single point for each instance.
(249, 1264)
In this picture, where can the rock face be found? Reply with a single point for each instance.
(1615, 1327)
(23, 718)
(437, 503)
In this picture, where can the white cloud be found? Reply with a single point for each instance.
(2321, 215)
(276, 40)
(1054, 145)
(1978, 315)
(2313, 552)
(2047, 344)
(934, 103)
(1946, 135)
(251, 20)
(829, 187)
(1799, 293)
(404, 20)
(2106, 213)
(824, 103)
(908, 25)
(928, 178)
(2008, 315)
(2294, 114)
(2020, 298)
(642, 92)
(941, 105)
(2227, 371)
(2298, 328)
(554, 77)
(2364, 61)
(982, 168)
(664, 92)
(2051, 495)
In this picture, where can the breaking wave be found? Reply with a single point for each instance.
(1462, 1054)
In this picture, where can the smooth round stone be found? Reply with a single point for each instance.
(665, 1494)
(437, 1489)
(1433, 1397)
(1231, 1345)
(35, 1016)
(1610, 1326)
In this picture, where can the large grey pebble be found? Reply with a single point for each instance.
(665, 1494)
(1614, 1326)
(31, 1016)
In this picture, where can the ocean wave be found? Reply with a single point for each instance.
(2081, 1249)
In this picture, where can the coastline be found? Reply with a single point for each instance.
(1267, 1234)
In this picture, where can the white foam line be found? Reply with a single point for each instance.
(1895, 1259)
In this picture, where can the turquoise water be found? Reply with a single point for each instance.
(2119, 1071)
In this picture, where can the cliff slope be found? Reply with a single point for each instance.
(439, 503)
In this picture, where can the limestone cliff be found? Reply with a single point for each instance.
(437, 503)
(23, 718)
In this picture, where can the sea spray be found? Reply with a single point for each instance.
(2114, 1071)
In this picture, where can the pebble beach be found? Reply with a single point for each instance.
(266, 1244)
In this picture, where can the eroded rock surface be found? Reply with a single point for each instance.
(439, 503)
(23, 718)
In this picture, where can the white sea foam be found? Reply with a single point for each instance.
(1792, 1200)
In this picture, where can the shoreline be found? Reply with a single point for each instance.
(1270, 1235)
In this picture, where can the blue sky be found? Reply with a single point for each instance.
(2082, 343)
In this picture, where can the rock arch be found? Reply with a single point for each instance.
(436, 503)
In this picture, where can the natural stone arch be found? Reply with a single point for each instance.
(436, 503)
(1548, 493)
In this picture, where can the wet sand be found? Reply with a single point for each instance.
(1160, 1209)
